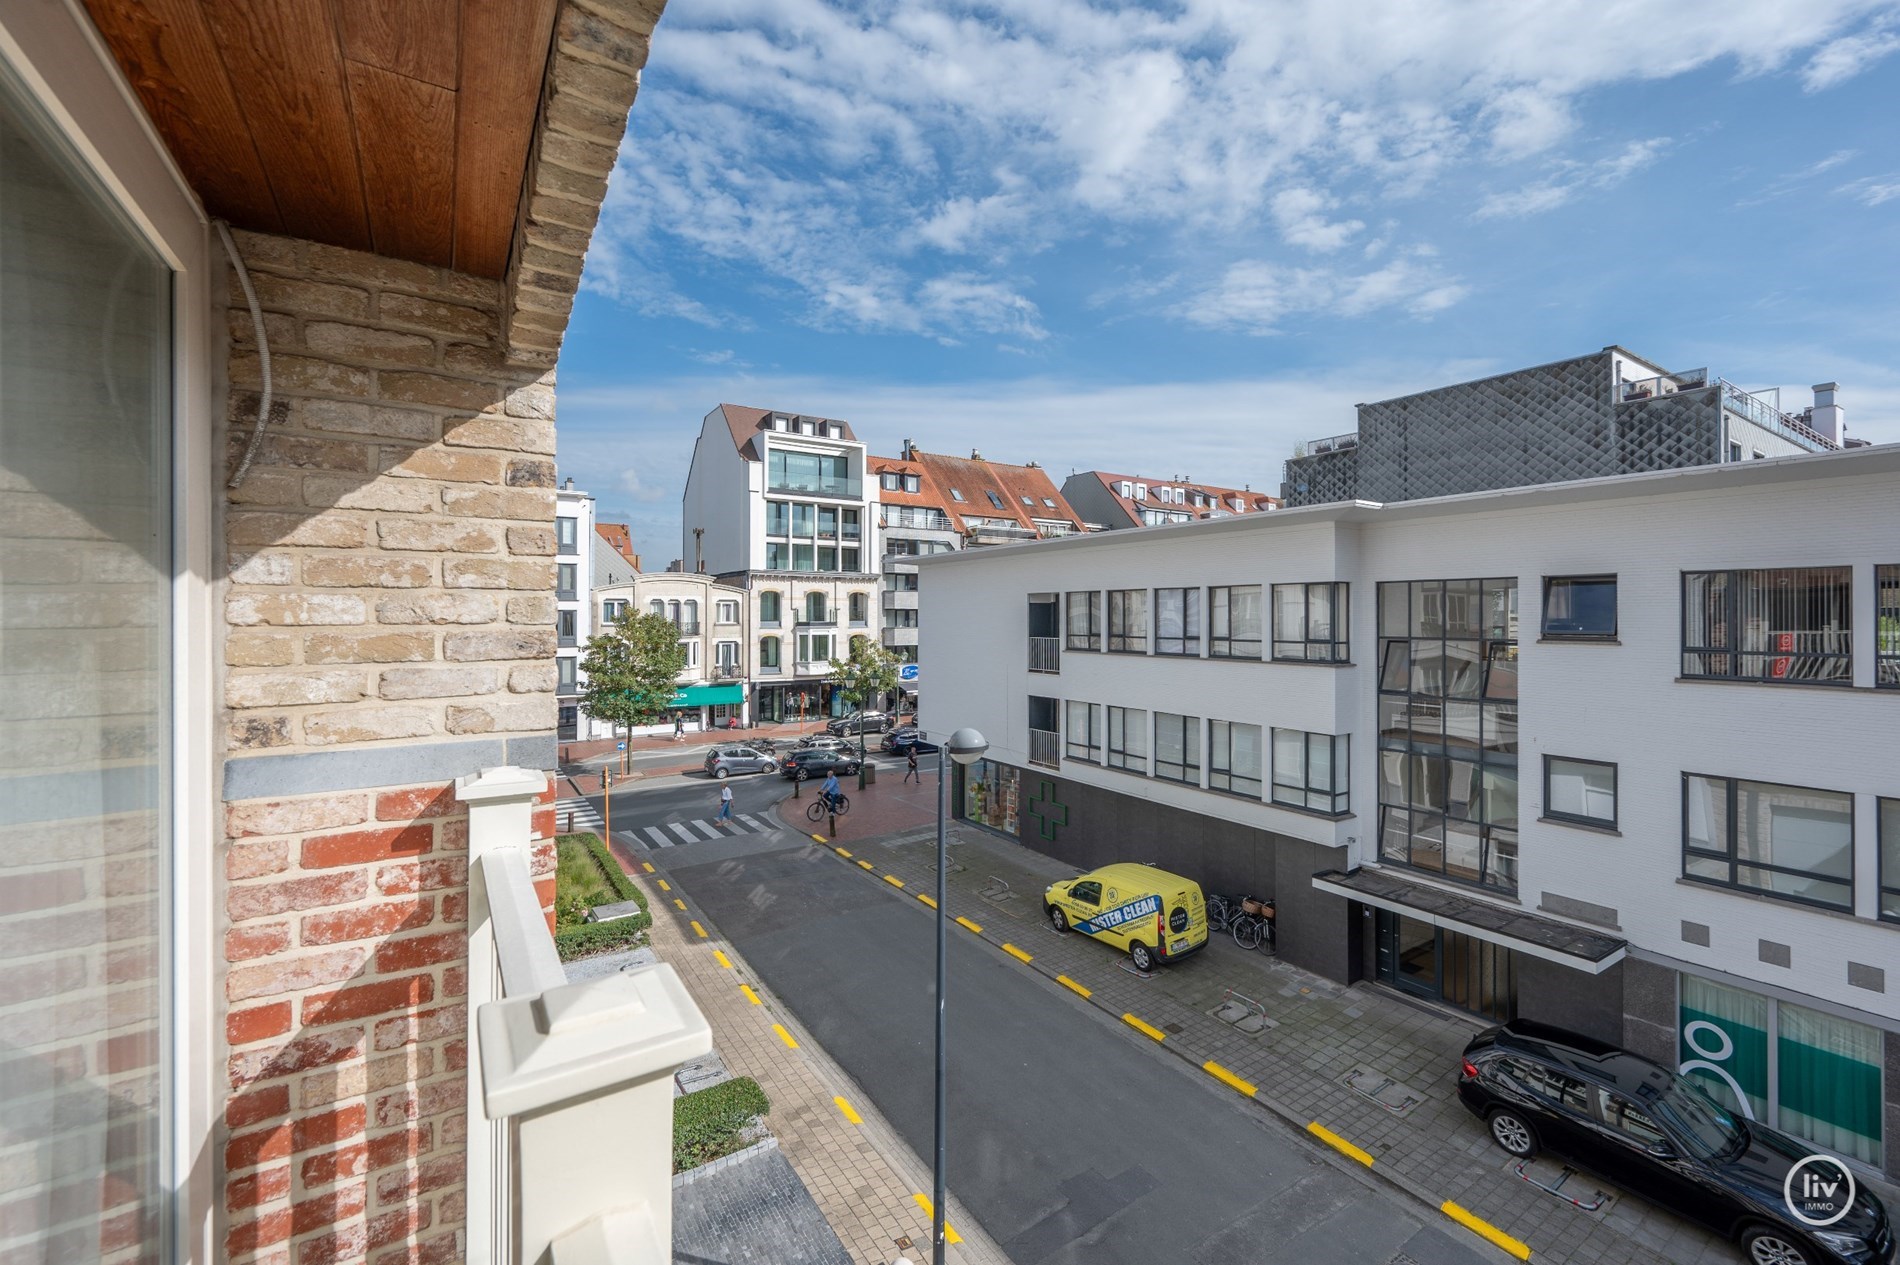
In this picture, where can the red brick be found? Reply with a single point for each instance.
(430, 1175)
(258, 1188)
(422, 1026)
(455, 982)
(544, 888)
(400, 1146)
(368, 923)
(244, 943)
(241, 1027)
(259, 900)
(399, 880)
(542, 823)
(266, 1102)
(49, 889)
(416, 951)
(294, 974)
(324, 1128)
(454, 1056)
(313, 1049)
(455, 907)
(248, 1150)
(256, 860)
(544, 858)
(361, 847)
(393, 1227)
(272, 1227)
(448, 872)
(327, 1209)
(128, 1229)
(362, 1000)
(419, 801)
(293, 816)
(454, 1130)
(128, 1051)
(345, 1244)
(452, 835)
(327, 1167)
(547, 796)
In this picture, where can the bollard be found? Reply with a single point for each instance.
(569, 828)
(834, 825)
(798, 787)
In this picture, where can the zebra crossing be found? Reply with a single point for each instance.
(674, 833)
(583, 814)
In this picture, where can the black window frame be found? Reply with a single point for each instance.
(1736, 658)
(1190, 728)
(567, 580)
(1221, 646)
(1616, 609)
(1114, 757)
(996, 502)
(1336, 648)
(1226, 750)
(1088, 744)
(567, 534)
(777, 657)
(1887, 878)
(1092, 639)
(1616, 792)
(1118, 598)
(1736, 864)
(566, 673)
(1340, 793)
(1887, 626)
(1189, 642)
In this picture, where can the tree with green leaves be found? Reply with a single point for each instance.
(632, 672)
(870, 672)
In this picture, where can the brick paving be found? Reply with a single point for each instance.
(863, 1177)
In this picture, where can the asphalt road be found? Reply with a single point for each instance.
(1071, 1140)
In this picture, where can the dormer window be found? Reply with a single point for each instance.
(1141, 491)
(911, 483)
(1127, 488)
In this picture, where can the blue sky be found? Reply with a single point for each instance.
(1183, 238)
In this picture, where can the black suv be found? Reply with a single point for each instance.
(866, 722)
(1656, 1133)
(805, 765)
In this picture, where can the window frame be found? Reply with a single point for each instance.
(1119, 757)
(1887, 878)
(1092, 639)
(1336, 648)
(1616, 792)
(777, 657)
(1544, 630)
(567, 534)
(1084, 743)
(1119, 597)
(1192, 760)
(1216, 641)
(1886, 626)
(1340, 757)
(1226, 771)
(1191, 624)
(1734, 581)
(1735, 862)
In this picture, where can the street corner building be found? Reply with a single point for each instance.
(244, 672)
(1614, 754)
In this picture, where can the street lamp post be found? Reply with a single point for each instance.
(965, 746)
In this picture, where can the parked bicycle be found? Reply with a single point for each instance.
(1251, 924)
(819, 809)
(1220, 909)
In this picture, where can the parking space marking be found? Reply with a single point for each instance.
(680, 903)
(648, 865)
(664, 887)
(928, 900)
(1338, 1143)
(723, 959)
(1145, 1029)
(893, 880)
(1017, 953)
(1245, 1088)
(841, 851)
(866, 865)
(785, 1036)
(1485, 1230)
(750, 995)
(849, 1113)
(1072, 986)
(971, 927)
(950, 1234)
(698, 930)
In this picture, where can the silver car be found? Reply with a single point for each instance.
(723, 762)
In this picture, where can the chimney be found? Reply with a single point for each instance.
(975, 455)
(699, 562)
(1830, 420)
(910, 450)
(569, 487)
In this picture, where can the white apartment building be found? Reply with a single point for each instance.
(713, 619)
(573, 582)
(1618, 754)
(779, 504)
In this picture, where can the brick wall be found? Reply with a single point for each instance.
(390, 589)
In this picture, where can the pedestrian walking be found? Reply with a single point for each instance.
(679, 726)
(725, 803)
(910, 767)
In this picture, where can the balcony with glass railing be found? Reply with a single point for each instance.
(1760, 408)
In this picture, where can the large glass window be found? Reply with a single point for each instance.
(1234, 622)
(1309, 770)
(1787, 625)
(1580, 607)
(1085, 731)
(1887, 627)
(1178, 748)
(86, 727)
(803, 558)
(804, 521)
(769, 608)
(564, 675)
(1234, 757)
(1085, 621)
(1309, 622)
(778, 557)
(1128, 621)
(860, 604)
(1890, 859)
(849, 524)
(812, 472)
(827, 522)
(778, 518)
(817, 610)
(1785, 841)
(1178, 621)
(768, 652)
(1448, 728)
(1580, 790)
(1128, 739)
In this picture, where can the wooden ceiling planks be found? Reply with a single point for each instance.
(504, 58)
(399, 126)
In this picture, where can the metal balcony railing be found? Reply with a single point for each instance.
(729, 671)
(687, 627)
(1665, 384)
(997, 531)
(830, 621)
(1045, 748)
(554, 1067)
(1045, 654)
(915, 517)
(1332, 443)
(1751, 407)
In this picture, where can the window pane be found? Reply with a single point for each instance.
(1579, 789)
(1890, 858)
(1811, 831)
(1319, 612)
(1580, 607)
(1829, 1072)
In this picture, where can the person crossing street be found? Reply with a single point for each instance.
(725, 803)
(910, 767)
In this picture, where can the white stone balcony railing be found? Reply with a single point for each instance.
(555, 1068)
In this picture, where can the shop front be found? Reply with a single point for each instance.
(711, 706)
(794, 702)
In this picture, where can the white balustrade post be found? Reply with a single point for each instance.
(500, 815)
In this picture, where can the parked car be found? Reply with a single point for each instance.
(1662, 1136)
(1154, 915)
(723, 762)
(903, 741)
(867, 722)
(824, 742)
(803, 765)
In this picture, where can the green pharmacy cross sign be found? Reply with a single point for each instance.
(1054, 813)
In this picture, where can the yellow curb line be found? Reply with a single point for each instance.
(698, 930)
(664, 887)
(1227, 1078)
(648, 865)
(822, 839)
(1070, 984)
(972, 927)
(785, 1036)
(750, 995)
(893, 880)
(849, 1114)
(949, 1232)
(927, 900)
(841, 851)
(680, 903)
(1485, 1230)
(866, 865)
(1338, 1143)
(723, 959)
(1146, 1029)
(1017, 953)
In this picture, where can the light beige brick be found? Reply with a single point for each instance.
(527, 472)
(264, 568)
(259, 650)
(513, 434)
(328, 531)
(531, 541)
(529, 503)
(519, 643)
(439, 537)
(479, 359)
(441, 318)
(369, 647)
(358, 571)
(432, 388)
(368, 345)
(302, 374)
(535, 609)
(292, 689)
(534, 401)
(377, 271)
(400, 683)
(249, 733)
(532, 678)
(294, 816)
(367, 724)
(294, 609)
(489, 718)
(264, 486)
(368, 494)
(495, 573)
(264, 250)
(305, 298)
(446, 464)
(346, 417)
(300, 451)
(439, 608)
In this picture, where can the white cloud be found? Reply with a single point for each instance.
(1873, 190)
(1257, 297)
(1842, 59)
(1298, 212)
(1571, 179)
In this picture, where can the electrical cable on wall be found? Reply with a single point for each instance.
(263, 353)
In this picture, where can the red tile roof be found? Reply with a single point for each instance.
(975, 478)
(1252, 502)
(619, 536)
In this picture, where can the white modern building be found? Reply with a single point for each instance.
(573, 583)
(1617, 754)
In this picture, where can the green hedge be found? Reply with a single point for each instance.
(711, 1122)
(604, 937)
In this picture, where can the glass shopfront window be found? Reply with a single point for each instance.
(990, 795)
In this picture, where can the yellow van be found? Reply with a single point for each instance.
(1156, 916)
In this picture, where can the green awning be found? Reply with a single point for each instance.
(709, 695)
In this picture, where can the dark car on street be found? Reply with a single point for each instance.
(803, 765)
(866, 722)
(1661, 1136)
(904, 741)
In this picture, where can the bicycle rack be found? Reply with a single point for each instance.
(996, 891)
(1537, 1171)
(1393, 1096)
(1243, 1012)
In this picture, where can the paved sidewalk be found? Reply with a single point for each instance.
(1297, 1067)
(863, 1176)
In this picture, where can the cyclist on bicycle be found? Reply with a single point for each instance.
(830, 792)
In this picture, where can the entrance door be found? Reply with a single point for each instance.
(1447, 966)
